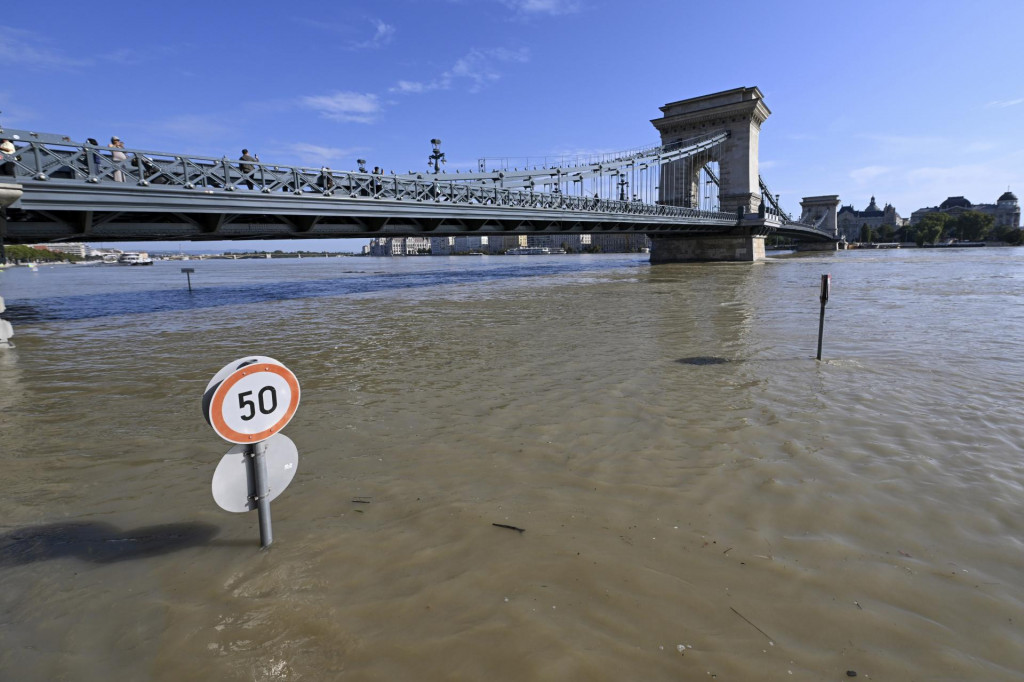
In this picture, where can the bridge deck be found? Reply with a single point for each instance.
(75, 191)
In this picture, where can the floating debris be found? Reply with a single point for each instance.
(504, 525)
(770, 642)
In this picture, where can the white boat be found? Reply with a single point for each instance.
(135, 258)
(533, 251)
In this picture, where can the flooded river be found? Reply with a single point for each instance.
(698, 497)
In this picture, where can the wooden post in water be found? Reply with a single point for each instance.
(826, 285)
(188, 274)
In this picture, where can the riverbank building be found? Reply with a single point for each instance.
(852, 221)
(1006, 210)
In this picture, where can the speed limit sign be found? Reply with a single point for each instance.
(251, 399)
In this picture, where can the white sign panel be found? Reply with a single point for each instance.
(233, 483)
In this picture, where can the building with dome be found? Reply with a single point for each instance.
(851, 221)
(1006, 210)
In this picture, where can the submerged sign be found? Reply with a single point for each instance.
(248, 402)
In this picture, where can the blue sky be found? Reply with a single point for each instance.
(908, 101)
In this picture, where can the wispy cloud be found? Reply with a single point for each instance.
(481, 66)
(902, 150)
(947, 175)
(980, 147)
(902, 144)
(383, 35)
(554, 7)
(192, 127)
(319, 155)
(1002, 104)
(868, 173)
(348, 107)
(478, 68)
(413, 87)
(14, 112)
(33, 51)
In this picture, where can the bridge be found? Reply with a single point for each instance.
(697, 194)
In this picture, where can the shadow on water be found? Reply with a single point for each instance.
(99, 543)
(87, 306)
(703, 360)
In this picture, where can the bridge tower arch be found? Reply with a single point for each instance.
(740, 112)
(821, 210)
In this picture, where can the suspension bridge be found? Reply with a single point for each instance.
(697, 194)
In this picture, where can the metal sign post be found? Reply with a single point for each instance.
(248, 402)
(188, 275)
(257, 452)
(826, 286)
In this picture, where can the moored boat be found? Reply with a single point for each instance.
(533, 251)
(135, 258)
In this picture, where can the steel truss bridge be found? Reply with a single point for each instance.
(77, 191)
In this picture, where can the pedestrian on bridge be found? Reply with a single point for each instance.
(118, 155)
(97, 159)
(7, 152)
(325, 181)
(247, 168)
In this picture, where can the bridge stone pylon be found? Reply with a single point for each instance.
(740, 112)
(821, 210)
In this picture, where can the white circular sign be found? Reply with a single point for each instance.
(251, 399)
(234, 486)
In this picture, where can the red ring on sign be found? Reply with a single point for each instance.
(217, 404)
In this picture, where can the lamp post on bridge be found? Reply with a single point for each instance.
(436, 156)
(623, 186)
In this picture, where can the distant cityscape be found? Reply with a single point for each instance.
(511, 244)
(887, 225)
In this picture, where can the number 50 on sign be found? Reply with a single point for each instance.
(251, 399)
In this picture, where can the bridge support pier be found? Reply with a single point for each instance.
(820, 246)
(702, 248)
(9, 193)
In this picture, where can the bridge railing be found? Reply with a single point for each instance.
(55, 159)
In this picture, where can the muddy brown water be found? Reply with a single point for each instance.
(699, 497)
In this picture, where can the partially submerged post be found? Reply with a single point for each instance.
(826, 285)
(188, 274)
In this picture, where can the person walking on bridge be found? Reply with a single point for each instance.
(7, 152)
(247, 168)
(118, 155)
